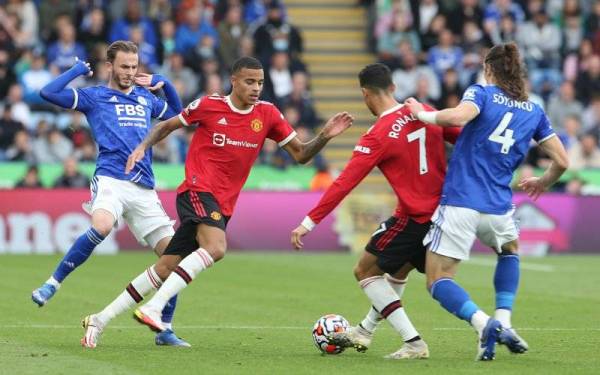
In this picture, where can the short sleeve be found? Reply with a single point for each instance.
(159, 107)
(85, 98)
(191, 114)
(476, 95)
(280, 130)
(544, 130)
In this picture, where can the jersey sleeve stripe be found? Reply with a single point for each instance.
(163, 111)
(75, 99)
(474, 104)
(288, 139)
(183, 120)
(546, 138)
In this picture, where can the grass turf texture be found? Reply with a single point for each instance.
(253, 313)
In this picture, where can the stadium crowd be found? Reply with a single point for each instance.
(191, 42)
(435, 49)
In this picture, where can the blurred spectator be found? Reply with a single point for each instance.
(592, 22)
(585, 154)
(445, 55)
(213, 85)
(467, 11)
(591, 115)
(275, 34)
(51, 146)
(121, 28)
(21, 149)
(494, 12)
(63, 52)
(195, 27)
(256, 10)
(570, 132)
(20, 110)
(507, 31)
(427, 11)
(432, 36)
(8, 130)
(450, 87)
(588, 82)
(146, 51)
(399, 31)
(25, 21)
(422, 91)
(576, 63)
(51, 10)
(33, 80)
(563, 104)
(31, 180)
(7, 76)
(231, 30)
(322, 179)
(174, 69)
(301, 100)
(165, 152)
(76, 132)
(167, 36)
(71, 177)
(406, 78)
(574, 186)
(160, 10)
(540, 41)
(87, 152)
(94, 29)
(572, 34)
(278, 80)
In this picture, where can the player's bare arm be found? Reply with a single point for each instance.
(304, 152)
(158, 132)
(457, 116)
(535, 186)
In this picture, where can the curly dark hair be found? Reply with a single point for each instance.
(504, 62)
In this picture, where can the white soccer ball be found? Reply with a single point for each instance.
(324, 327)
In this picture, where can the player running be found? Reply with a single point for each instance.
(230, 133)
(119, 115)
(499, 123)
(411, 155)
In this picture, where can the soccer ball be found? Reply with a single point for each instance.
(324, 327)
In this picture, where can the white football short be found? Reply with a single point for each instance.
(139, 207)
(454, 230)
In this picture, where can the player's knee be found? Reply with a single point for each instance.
(359, 272)
(216, 249)
(163, 269)
(509, 248)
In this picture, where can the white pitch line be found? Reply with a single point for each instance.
(284, 328)
(523, 265)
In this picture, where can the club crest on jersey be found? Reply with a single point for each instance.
(215, 216)
(256, 125)
(142, 100)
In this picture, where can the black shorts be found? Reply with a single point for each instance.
(194, 208)
(399, 241)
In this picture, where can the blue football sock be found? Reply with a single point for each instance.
(77, 254)
(453, 298)
(506, 281)
(169, 310)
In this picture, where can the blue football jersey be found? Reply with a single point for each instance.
(119, 123)
(490, 148)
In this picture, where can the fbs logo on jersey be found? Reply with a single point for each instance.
(222, 121)
(256, 125)
(216, 216)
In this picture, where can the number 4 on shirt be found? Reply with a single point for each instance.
(506, 140)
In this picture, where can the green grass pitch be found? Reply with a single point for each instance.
(253, 313)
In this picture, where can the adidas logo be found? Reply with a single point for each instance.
(222, 121)
(113, 99)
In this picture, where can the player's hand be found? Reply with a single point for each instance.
(414, 106)
(146, 80)
(83, 67)
(297, 234)
(533, 186)
(337, 124)
(134, 157)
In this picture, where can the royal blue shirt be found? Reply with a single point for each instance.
(490, 148)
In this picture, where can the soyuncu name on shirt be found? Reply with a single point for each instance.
(501, 99)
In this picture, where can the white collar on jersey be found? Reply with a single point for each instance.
(391, 110)
(234, 109)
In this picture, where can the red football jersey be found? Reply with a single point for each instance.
(410, 154)
(226, 143)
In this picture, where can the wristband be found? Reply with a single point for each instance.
(427, 116)
(308, 223)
